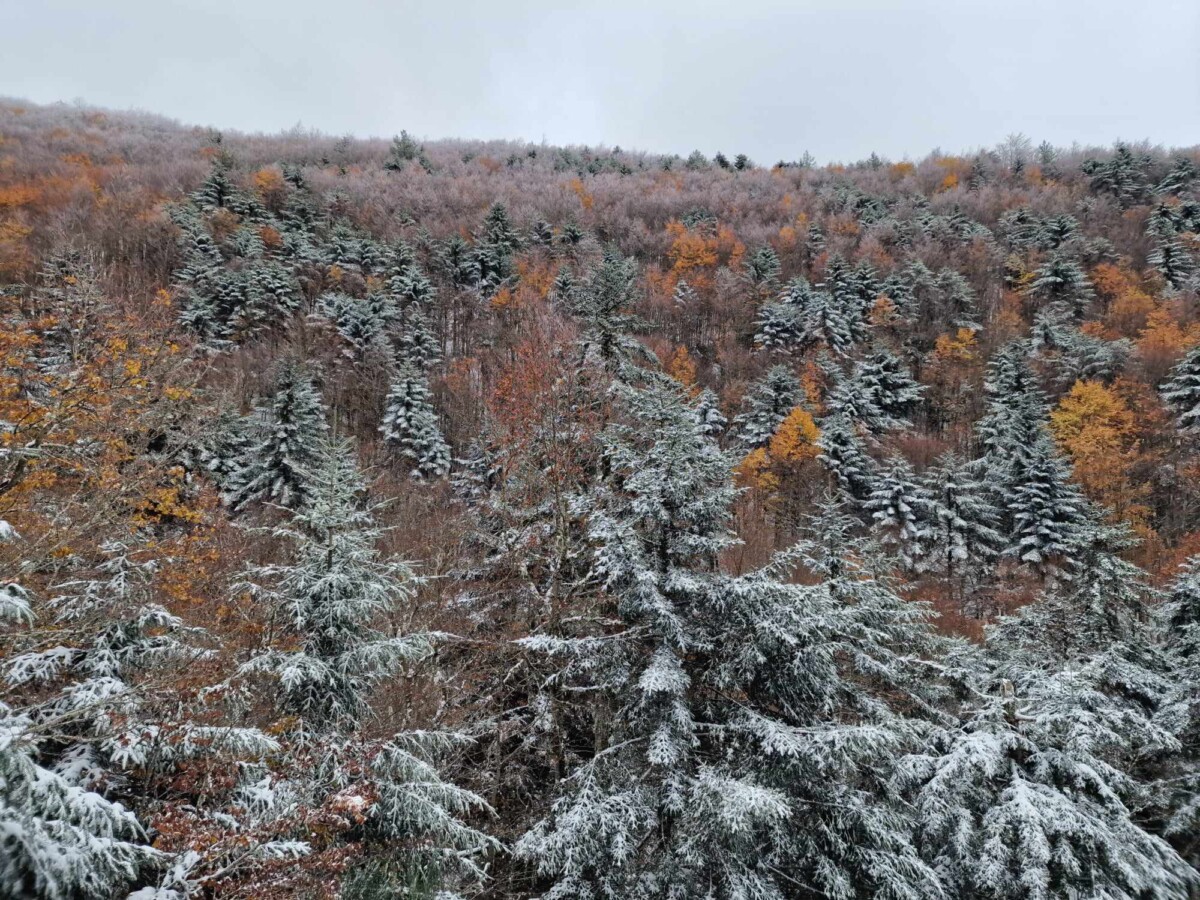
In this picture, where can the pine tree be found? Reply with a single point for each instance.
(727, 743)
(1047, 509)
(1062, 280)
(766, 405)
(901, 506)
(60, 842)
(602, 303)
(763, 267)
(1181, 392)
(963, 534)
(278, 466)
(330, 595)
(1178, 781)
(410, 423)
(845, 455)
(1122, 176)
(709, 418)
(330, 598)
(878, 394)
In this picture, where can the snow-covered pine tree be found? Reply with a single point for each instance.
(878, 393)
(1123, 175)
(416, 343)
(1047, 509)
(330, 598)
(1061, 279)
(729, 742)
(291, 428)
(845, 455)
(58, 841)
(1038, 794)
(767, 404)
(900, 505)
(762, 268)
(1181, 392)
(709, 418)
(1178, 782)
(963, 519)
(602, 303)
(411, 424)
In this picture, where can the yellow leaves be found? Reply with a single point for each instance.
(901, 169)
(795, 440)
(1091, 414)
(949, 183)
(690, 249)
(755, 470)
(1097, 430)
(793, 444)
(586, 200)
(683, 369)
(503, 299)
(960, 348)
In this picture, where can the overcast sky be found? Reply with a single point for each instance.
(838, 78)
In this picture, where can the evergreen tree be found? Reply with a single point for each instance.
(1122, 176)
(901, 506)
(410, 423)
(1038, 794)
(763, 267)
(878, 394)
(1178, 783)
(1062, 280)
(709, 418)
(59, 841)
(1181, 392)
(278, 467)
(330, 597)
(845, 455)
(730, 744)
(766, 405)
(1046, 508)
(963, 519)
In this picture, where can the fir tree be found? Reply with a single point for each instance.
(766, 405)
(845, 455)
(730, 746)
(1181, 392)
(963, 519)
(278, 465)
(410, 423)
(901, 506)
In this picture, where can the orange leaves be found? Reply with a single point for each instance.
(683, 369)
(1097, 429)
(796, 438)
(586, 200)
(690, 249)
(695, 252)
(793, 444)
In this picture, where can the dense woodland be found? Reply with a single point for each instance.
(386, 519)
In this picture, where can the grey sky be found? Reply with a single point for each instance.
(771, 79)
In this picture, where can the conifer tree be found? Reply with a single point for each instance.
(331, 597)
(845, 455)
(766, 405)
(963, 519)
(740, 760)
(900, 505)
(278, 466)
(411, 423)
(1181, 392)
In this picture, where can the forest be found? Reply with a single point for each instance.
(458, 519)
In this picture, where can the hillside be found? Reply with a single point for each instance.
(387, 517)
